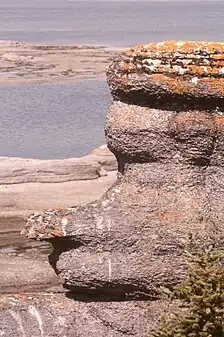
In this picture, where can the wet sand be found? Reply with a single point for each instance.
(30, 63)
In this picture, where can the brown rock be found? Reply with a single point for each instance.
(170, 74)
(130, 243)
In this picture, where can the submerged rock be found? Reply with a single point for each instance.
(165, 128)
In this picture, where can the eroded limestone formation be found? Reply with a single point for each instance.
(166, 129)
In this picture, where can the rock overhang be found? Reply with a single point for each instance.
(172, 74)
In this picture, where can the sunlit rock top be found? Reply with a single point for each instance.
(172, 73)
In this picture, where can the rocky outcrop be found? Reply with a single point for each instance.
(165, 128)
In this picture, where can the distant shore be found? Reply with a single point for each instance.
(35, 63)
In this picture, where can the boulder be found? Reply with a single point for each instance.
(165, 127)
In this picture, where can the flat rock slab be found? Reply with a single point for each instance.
(24, 263)
(30, 185)
(22, 62)
(26, 198)
(21, 170)
(52, 315)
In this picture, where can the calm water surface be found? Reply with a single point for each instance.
(58, 121)
(52, 120)
(118, 23)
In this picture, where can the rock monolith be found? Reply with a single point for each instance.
(166, 129)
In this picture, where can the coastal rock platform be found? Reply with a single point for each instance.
(30, 184)
(29, 63)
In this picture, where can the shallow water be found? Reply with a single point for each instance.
(117, 23)
(50, 121)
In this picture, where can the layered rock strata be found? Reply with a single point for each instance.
(166, 129)
(24, 170)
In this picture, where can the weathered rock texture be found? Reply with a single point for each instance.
(52, 315)
(175, 75)
(166, 129)
(21, 170)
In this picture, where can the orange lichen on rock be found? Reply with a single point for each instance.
(181, 58)
(183, 86)
(219, 121)
(182, 47)
(168, 71)
(169, 216)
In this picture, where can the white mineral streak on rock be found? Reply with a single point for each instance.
(180, 43)
(153, 62)
(64, 223)
(194, 80)
(18, 320)
(152, 68)
(106, 203)
(110, 269)
(179, 69)
(109, 224)
(99, 223)
(61, 321)
(160, 43)
(33, 311)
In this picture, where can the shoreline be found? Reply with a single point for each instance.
(22, 63)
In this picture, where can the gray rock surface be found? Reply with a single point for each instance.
(50, 315)
(21, 170)
(30, 185)
(23, 273)
(130, 243)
